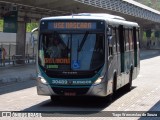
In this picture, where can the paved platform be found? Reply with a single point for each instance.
(18, 73)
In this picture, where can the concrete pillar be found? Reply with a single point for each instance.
(141, 39)
(148, 35)
(21, 41)
(157, 42)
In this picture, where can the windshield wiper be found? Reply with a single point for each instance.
(68, 43)
(83, 41)
(81, 45)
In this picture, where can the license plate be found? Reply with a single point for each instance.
(70, 93)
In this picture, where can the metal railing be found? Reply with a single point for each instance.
(8, 53)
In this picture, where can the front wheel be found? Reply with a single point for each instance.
(129, 85)
(110, 97)
(55, 98)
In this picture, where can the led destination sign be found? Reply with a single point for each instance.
(72, 25)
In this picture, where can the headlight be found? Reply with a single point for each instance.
(99, 80)
(42, 80)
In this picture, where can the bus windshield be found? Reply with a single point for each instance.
(71, 51)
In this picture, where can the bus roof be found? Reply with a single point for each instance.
(110, 19)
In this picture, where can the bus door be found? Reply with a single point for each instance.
(110, 52)
(122, 48)
(122, 51)
(138, 50)
(127, 55)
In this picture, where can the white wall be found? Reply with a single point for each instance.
(11, 37)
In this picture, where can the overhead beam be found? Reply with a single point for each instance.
(132, 11)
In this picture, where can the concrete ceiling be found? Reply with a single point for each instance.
(36, 9)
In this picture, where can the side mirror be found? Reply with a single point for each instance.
(110, 40)
(33, 39)
(109, 31)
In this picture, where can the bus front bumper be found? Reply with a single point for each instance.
(94, 90)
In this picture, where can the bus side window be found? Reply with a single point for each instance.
(126, 40)
(131, 43)
(117, 40)
(114, 40)
(137, 37)
(110, 43)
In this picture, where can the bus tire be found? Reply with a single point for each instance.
(55, 98)
(129, 85)
(111, 96)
